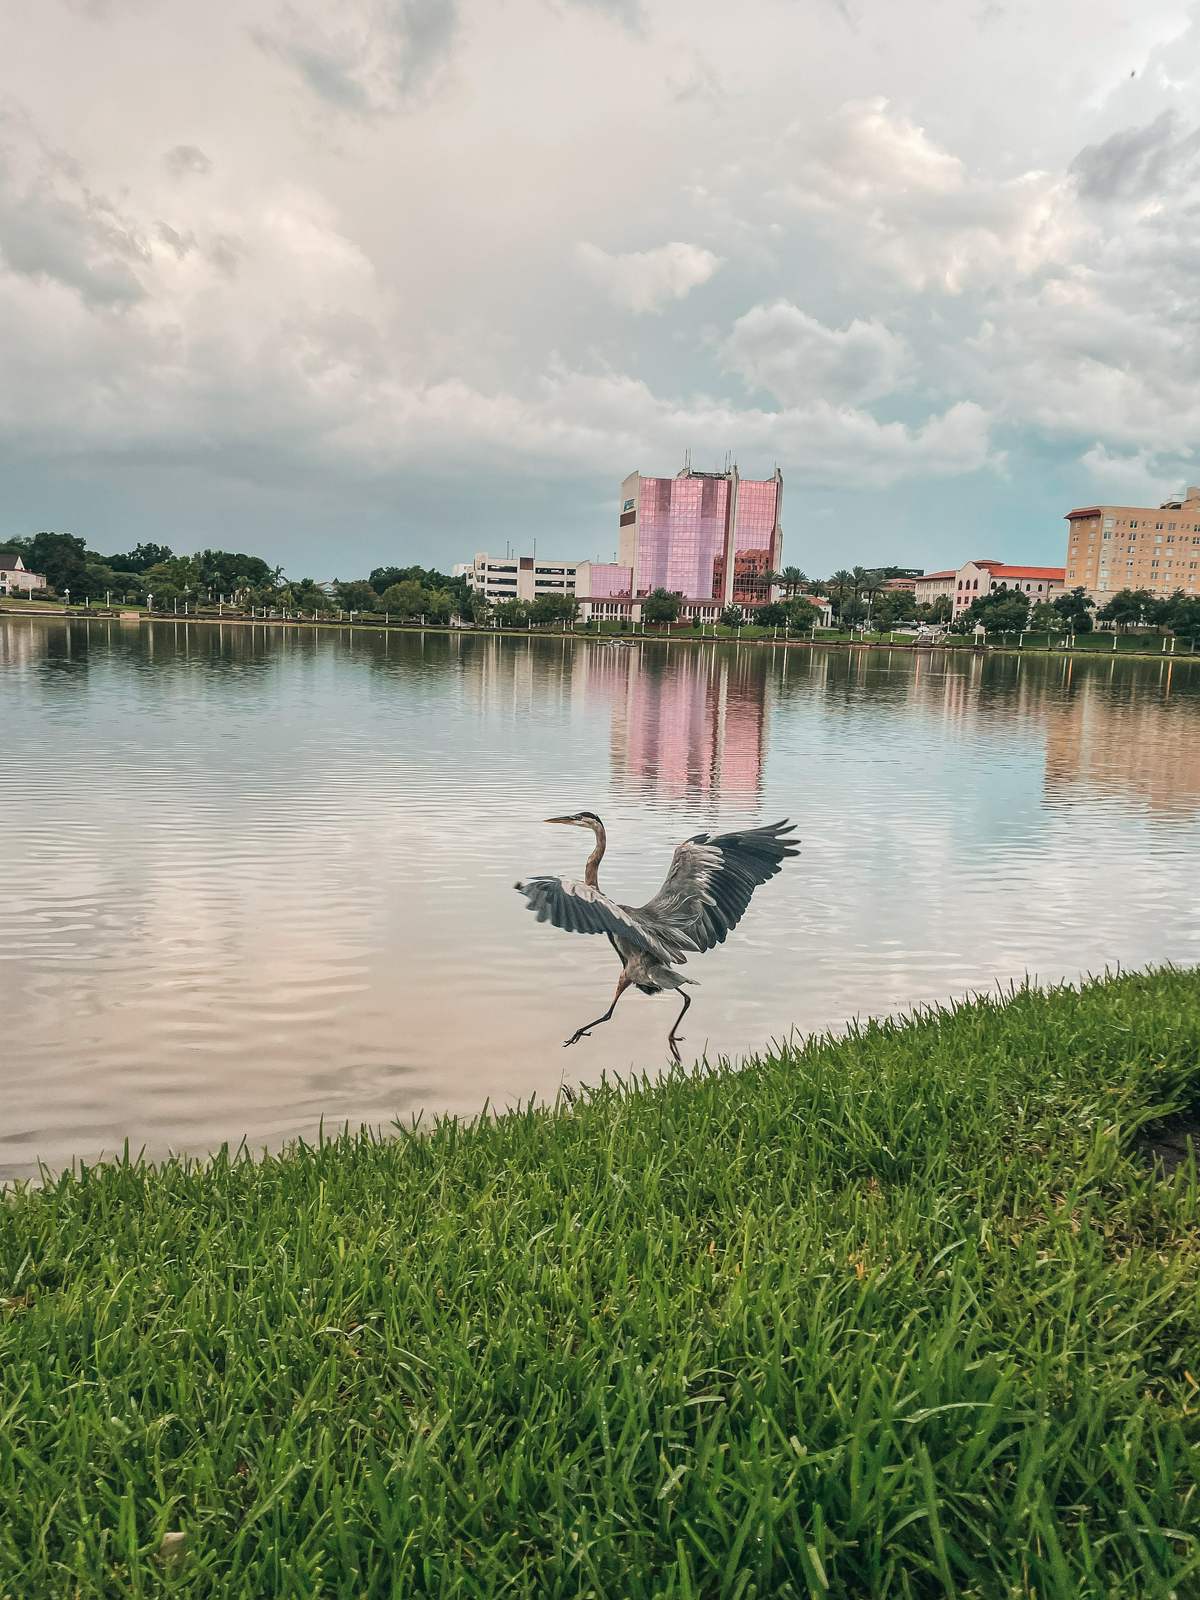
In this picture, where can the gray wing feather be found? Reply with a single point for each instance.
(711, 880)
(578, 908)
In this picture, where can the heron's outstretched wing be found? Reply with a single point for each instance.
(578, 908)
(710, 882)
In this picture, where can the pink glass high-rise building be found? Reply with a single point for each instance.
(708, 536)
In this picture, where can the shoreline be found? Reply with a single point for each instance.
(853, 1302)
(908, 647)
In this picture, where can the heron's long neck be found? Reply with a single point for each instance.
(591, 873)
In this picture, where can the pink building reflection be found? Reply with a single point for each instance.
(682, 723)
(691, 725)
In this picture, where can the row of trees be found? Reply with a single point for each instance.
(857, 594)
(70, 567)
(1138, 608)
(1010, 611)
(133, 576)
(861, 595)
(156, 571)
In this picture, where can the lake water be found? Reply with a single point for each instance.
(257, 879)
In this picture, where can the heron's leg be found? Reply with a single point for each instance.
(582, 1033)
(687, 1000)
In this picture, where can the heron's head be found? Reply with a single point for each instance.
(579, 819)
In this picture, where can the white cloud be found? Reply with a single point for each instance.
(787, 353)
(1143, 477)
(55, 229)
(366, 56)
(647, 280)
(893, 197)
(1139, 163)
(187, 160)
(867, 150)
(302, 354)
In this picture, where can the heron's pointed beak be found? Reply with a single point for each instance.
(560, 819)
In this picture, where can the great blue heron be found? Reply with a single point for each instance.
(704, 896)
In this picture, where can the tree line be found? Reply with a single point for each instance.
(210, 577)
(1011, 611)
(858, 595)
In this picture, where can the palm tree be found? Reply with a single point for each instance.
(841, 586)
(871, 586)
(792, 579)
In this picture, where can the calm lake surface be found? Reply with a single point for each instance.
(256, 879)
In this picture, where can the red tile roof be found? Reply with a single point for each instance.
(998, 570)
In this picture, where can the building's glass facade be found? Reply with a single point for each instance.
(752, 540)
(681, 534)
(608, 579)
(682, 530)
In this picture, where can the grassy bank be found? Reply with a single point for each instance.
(905, 1314)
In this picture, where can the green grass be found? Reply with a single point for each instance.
(906, 1313)
(19, 602)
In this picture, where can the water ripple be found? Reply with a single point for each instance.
(258, 880)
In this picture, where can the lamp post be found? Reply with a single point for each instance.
(150, 603)
(67, 592)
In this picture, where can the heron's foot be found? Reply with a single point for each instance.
(674, 1047)
(580, 1033)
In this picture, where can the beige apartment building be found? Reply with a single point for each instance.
(1135, 547)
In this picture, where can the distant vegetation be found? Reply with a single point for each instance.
(905, 1313)
(213, 576)
(1008, 611)
(859, 596)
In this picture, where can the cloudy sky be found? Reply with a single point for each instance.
(403, 279)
